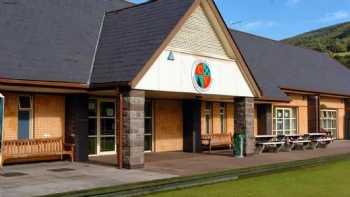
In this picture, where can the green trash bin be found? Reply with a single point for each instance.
(239, 140)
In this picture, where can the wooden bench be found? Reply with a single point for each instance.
(216, 140)
(35, 148)
(276, 145)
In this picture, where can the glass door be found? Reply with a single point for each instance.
(102, 137)
(106, 142)
(148, 126)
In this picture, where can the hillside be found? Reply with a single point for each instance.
(334, 40)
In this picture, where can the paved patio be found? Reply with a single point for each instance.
(180, 163)
(53, 177)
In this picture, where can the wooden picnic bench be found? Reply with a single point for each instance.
(296, 141)
(216, 140)
(320, 140)
(266, 142)
(35, 148)
(275, 145)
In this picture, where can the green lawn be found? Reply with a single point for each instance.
(327, 180)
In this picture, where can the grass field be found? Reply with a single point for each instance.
(321, 181)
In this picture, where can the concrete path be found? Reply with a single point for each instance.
(56, 177)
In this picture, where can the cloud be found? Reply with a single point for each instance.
(292, 2)
(255, 25)
(335, 16)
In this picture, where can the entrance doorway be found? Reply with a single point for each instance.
(101, 132)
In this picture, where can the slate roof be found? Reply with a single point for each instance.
(51, 40)
(56, 41)
(275, 64)
(130, 37)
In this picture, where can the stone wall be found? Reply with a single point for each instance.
(133, 129)
(244, 121)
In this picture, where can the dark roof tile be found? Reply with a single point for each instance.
(275, 65)
(51, 40)
(131, 36)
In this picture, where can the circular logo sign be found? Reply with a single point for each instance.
(202, 76)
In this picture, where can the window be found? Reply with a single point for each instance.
(284, 121)
(208, 117)
(222, 117)
(329, 121)
(24, 117)
(101, 127)
(148, 126)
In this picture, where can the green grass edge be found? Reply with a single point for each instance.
(142, 188)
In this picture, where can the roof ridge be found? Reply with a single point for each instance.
(254, 35)
(128, 8)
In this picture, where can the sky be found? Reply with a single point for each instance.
(279, 19)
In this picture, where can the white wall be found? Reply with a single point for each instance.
(176, 76)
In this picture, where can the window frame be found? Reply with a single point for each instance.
(31, 112)
(151, 117)
(223, 118)
(329, 129)
(275, 122)
(97, 118)
(208, 117)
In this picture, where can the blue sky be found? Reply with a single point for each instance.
(278, 19)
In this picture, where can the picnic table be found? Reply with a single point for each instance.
(296, 141)
(265, 142)
(320, 140)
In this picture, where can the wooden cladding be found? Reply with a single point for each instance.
(168, 125)
(215, 122)
(48, 116)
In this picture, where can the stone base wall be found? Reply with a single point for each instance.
(133, 129)
(244, 121)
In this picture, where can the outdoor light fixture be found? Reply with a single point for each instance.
(171, 56)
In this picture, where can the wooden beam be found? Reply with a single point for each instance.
(44, 83)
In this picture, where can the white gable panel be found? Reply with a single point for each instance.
(198, 36)
(177, 76)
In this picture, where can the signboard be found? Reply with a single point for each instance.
(201, 76)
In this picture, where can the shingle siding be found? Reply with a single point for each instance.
(198, 36)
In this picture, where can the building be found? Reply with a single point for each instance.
(153, 77)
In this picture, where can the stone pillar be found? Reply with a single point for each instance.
(77, 125)
(347, 119)
(313, 108)
(133, 129)
(264, 115)
(191, 110)
(244, 121)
